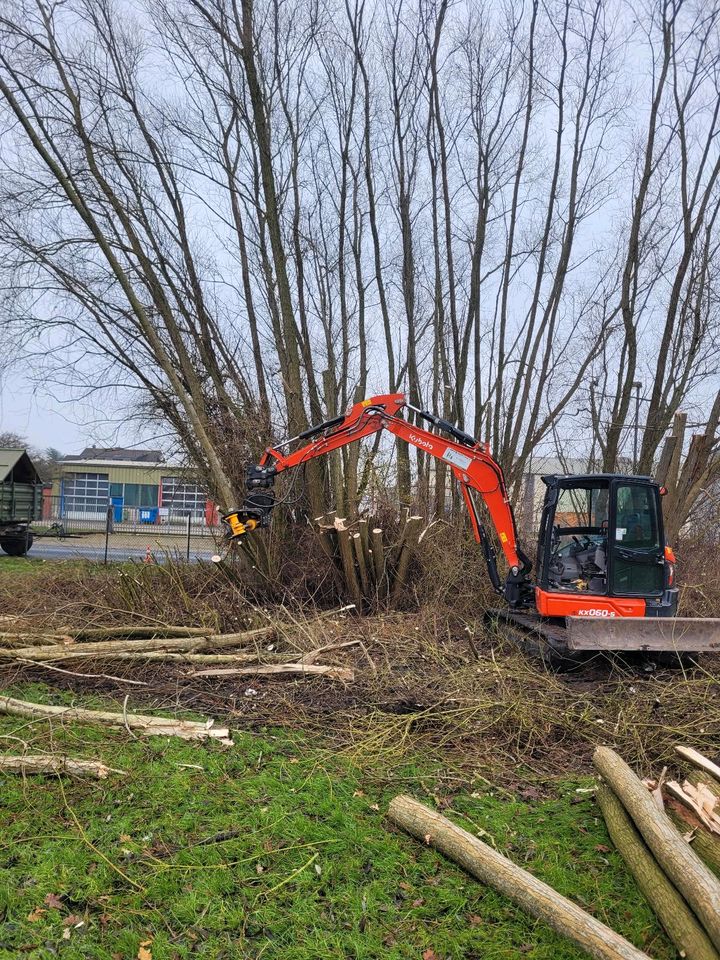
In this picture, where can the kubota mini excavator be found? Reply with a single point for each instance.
(605, 578)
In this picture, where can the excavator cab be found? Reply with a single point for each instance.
(601, 549)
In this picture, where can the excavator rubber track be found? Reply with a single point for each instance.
(583, 637)
(535, 635)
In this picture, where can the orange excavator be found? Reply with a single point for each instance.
(604, 576)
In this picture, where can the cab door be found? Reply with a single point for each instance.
(636, 540)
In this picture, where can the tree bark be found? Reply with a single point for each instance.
(490, 867)
(698, 885)
(669, 907)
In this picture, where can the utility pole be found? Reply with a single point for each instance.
(636, 387)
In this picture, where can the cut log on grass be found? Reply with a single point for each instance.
(492, 868)
(695, 881)
(701, 762)
(145, 725)
(48, 763)
(668, 905)
(282, 669)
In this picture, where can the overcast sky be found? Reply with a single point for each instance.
(31, 412)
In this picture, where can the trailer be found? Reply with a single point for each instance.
(20, 500)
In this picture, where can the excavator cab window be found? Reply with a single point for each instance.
(577, 560)
(602, 535)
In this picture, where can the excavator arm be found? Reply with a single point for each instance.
(468, 459)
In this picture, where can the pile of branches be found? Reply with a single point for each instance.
(207, 653)
(669, 836)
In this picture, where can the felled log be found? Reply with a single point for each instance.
(9, 639)
(158, 630)
(109, 648)
(147, 726)
(49, 763)
(701, 762)
(286, 669)
(490, 867)
(668, 905)
(695, 881)
(116, 648)
(164, 656)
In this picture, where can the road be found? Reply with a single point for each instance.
(122, 548)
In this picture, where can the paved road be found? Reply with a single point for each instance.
(93, 548)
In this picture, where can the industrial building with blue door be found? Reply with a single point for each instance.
(138, 484)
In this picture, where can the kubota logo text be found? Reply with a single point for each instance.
(420, 442)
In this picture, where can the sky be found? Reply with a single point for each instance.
(44, 421)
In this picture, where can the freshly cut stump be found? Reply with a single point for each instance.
(492, 868)
(677, 918)
(695, 881)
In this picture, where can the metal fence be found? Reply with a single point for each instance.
(108, 532)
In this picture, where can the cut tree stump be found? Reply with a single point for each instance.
(411, 532)
(378, 557)
(361, 564)
(695, 881)
(668, 905)
(48, 763)
(347, 562)
(148, 726)
(492, 868)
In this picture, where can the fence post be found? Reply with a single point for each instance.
(108, 525)
(187, 550)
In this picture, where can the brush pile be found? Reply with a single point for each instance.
(669, 836)
(246, 653)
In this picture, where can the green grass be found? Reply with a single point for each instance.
(316, 873)
(19, 565)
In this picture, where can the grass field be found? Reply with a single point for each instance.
(310, 868)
